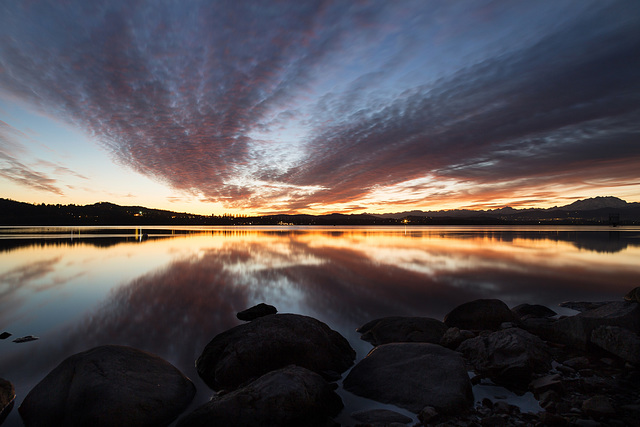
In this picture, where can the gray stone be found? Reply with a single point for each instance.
(108, 386)
(381, 417)
(532, 310)
(248, 351)
(619, 341)
(290, 396)
(480, 314)
(412, 376)
(453, 337)
(598, 406)
(547, 383)
(402, 329)
(576, 330)
(7, 397)
(509, 357)
(256, 311)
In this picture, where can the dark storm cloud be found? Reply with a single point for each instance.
(179, 91)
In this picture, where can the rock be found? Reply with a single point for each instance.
(453, 337)
(248, 351)
(256, 311)
(619, 341)
(583, 306)
(380, 417)
(553, 420)
(576, 330)
(4, 335)
(598, 406)
(25, 339)
(578, 363)
(108, 386)
(535, 310)
(402, 329)
(509, 357)
(428, 415)
(547, 383)
(481, 314)
(633, 295)
(290, 396)
(7, 397)
(412, 376)
(539, 326)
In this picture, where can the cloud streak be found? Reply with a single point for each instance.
(293, 106)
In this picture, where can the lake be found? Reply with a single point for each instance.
(170, 290)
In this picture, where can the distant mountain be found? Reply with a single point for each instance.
(594, 211)
(596, 203)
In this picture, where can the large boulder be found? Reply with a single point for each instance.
(7, 397)
(576, 330)
(256, 311)
(109, 386)
(509, 357)
(412, 376)
(619, 341)
(248, 351)
(526, 311)
(291, 396)
(403, 329)
(481, 314)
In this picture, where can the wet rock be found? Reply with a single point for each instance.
(412, 376)
(619, 341)
(428, 415)
(25, 339)
(256, 311)
(380, 417)
(509, 357)
(290, 396)
(553, 420)
(248, 351)
(402, 329)
(453, 337)
(108, 386)
(481, 314)
(576, 330)
(4, 335)
(579, 362)
(532, 310)
(598, 406)
(7, 397)
(547, 383)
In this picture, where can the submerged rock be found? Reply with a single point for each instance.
(256, 311)
(402, 329)
(509, 357)
(412, 376)
(108, 386)
(4, 335)
(248, 351)
(291, 396)
(481, 314)
(25, 339)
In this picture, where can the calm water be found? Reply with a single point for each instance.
(174, 289)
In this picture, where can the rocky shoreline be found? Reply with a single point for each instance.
(284, 369)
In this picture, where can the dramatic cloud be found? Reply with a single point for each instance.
(295, 105)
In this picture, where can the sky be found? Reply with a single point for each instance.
(345, 106)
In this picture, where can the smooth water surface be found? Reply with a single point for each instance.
(171, 290)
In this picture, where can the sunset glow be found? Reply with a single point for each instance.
(319, 106)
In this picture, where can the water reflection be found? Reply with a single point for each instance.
(171, 295)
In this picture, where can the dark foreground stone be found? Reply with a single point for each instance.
(412, 376)
(402, 329)
(509, 357)
(618, 341)
(380, 417)
(109, 386)
(526, 311)
(248, 351)
(291, 396)
(256, 311)
(481, 314)
(7, 397)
